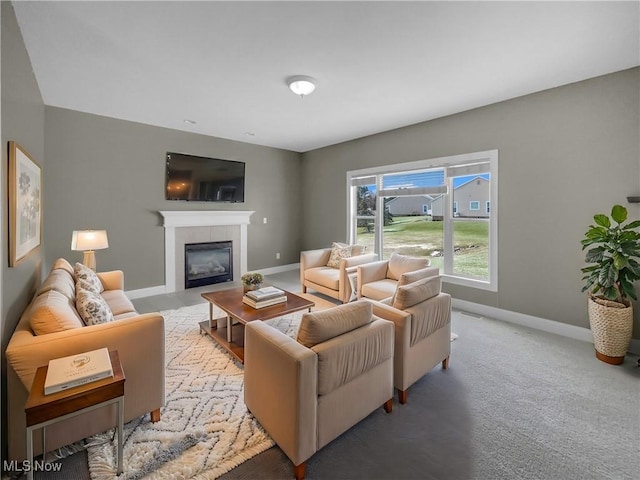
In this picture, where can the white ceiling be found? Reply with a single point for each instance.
(379, 65)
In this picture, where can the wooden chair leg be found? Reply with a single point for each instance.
(402, 396)
(299, 470)
(388, 405)
(445, 363)
(155, 415)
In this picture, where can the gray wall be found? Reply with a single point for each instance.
(22, 121)
(105, 173)
(565, 154)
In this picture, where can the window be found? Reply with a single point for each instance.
(388, 214)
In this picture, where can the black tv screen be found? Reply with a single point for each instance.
(203, 179)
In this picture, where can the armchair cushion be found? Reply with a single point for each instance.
(411, 277)
(325, 276)
(409, 295)
(346, 357)
(318, 327)
(399, 264)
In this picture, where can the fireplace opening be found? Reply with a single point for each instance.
(207, 263)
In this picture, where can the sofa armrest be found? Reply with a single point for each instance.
(113, 280)
(139, 341)
(280, 389)
(348, 266)
(358, 260)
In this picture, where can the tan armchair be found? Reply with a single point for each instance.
(315, 273)
(422, 317)
(379, 280)
(307, 392)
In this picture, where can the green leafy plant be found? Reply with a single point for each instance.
(252, 279)
(613, 253)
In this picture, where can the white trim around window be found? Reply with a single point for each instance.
(454, 166)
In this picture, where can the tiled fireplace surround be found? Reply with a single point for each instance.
(182, 227)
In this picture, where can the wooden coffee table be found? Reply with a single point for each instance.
(230, 336)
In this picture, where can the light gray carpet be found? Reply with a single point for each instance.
(515, 403)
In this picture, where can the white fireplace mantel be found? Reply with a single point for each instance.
(195, 218)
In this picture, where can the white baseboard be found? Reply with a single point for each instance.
(146, 292)
(279, 269)
(551, 326)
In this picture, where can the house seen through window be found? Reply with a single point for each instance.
(431, 208)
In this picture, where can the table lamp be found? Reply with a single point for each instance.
(88, 241)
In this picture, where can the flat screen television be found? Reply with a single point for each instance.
(203, 179)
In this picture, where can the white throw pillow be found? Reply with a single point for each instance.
(92, 307)
(90, 280)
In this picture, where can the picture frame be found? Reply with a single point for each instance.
(25, 204)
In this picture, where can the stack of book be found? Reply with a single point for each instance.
(264, 297)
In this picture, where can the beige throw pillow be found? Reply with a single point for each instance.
(338, 252)
(355, 249)
(318, 327)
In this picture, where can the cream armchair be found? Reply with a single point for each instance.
(379, 280)
(317, 274)
(307, 392)
(421, 314)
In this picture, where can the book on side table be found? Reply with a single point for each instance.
(79, 369)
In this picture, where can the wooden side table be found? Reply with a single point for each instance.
(43, 410)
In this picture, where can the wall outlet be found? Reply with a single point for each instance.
(264, 220)
(277, 256)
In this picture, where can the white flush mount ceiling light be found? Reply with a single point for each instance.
(301, 84)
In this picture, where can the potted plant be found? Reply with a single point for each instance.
(252, 281)
(613, 250)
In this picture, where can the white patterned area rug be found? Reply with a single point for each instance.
(204, 430)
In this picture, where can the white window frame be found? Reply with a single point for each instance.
(471, 206)
(489, 156)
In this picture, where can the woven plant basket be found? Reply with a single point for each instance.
(611, 326)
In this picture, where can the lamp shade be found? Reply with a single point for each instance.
(89, 240)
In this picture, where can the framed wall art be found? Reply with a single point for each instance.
(25, 208)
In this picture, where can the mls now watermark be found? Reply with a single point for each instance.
(27, 466)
